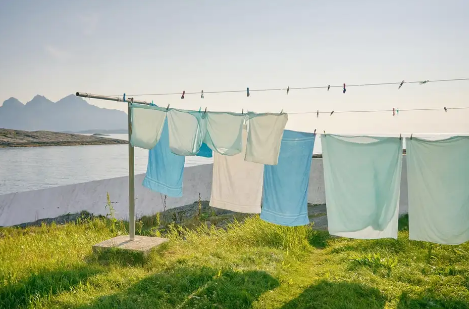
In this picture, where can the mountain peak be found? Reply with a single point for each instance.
(72, 100)
(39, 101)
(12, 103)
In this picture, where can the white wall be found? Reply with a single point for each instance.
(17, 208)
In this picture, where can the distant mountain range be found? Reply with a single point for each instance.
(70, 114)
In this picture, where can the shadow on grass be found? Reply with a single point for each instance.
(115, 256)
(338, 295)
(42, 284)
(427, 300)
(187, 287)
(319, 239)
(403, 223)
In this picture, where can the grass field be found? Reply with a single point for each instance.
(252, 264)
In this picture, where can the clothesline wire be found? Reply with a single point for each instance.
(298, 88)
(393, 110)
(380, 110)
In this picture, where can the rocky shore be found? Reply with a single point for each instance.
(18, 138)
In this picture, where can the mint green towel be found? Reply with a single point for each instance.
(224, 132)
(362, 179)
(438, 178)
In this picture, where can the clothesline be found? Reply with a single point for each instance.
(287, 89)
(317, 112)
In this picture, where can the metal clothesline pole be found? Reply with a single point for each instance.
(131, 155)
(131, 176)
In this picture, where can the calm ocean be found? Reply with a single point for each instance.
(24, 169)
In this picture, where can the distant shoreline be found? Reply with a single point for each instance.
(18, 138)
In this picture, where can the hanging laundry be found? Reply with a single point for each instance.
(186, 131)
(205, 151)
(438, 180)
(147, 124)
(237, 184)
(362, 178)
(165, 169)
(285, 198)
(264, 137)
(224, 132)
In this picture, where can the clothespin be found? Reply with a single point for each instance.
(242, 111)
(183, 93)
(411, 136)
(281, 112)
(332, 113)
(344, 88)
(397, 111)
(288, 89)
(328, 87)
(393, 111)
(324, 131)
(424, 82)
(131, 100)
(400, 85)
(317, 114)
(400, 136)
(446, 109)
(247, 91)
(202, 94)
(205, 111)
(167, 108)
(314, 131)
(124, 97)
(200, 109)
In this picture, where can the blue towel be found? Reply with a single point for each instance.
(165, 169)
(205, 151)
(285, 198)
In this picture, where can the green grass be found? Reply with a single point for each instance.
(252, 264)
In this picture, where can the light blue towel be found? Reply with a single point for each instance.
(205, 151)
(285, 198)
(362, 178)
(165, 169)
(438, 178)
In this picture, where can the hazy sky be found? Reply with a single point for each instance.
(55, 48)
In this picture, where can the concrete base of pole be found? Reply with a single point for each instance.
(142, 244)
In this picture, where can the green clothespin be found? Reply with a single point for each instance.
(424, 82)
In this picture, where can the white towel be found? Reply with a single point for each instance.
(147, 125)
(237, 184)
(265, 137)
(186, 132)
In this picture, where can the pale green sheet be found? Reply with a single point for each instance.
(438, 179)
(362, 179)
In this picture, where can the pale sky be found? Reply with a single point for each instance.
(55, 48)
